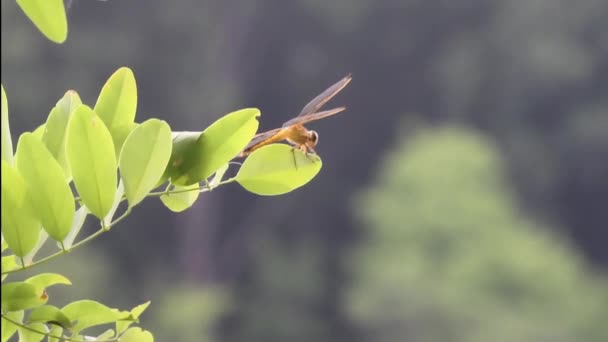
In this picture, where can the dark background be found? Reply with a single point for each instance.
(528, 78)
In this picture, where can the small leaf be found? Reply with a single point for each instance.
(48, 16)
(8, 263)
(50, 314)
(90, 313)
(117, 105)
(35, 333)
(182, 198)
(219, 144)
(50, 194)
(19, 226)
(20, 296)
(55, 331)
(136, 334)
(106, 335)
(120, 191)
(144, 158)
(91, 155)
(54, 135)
(135, 313)
(7, 142)
(7, 328)
(184, 150)
(44, 280)
(277, 169)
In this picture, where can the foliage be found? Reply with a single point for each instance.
(448, 256)
(90, 150)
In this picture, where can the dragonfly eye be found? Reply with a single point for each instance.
(314, 138)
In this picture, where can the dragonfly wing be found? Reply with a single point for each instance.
(313, 117)
(315, 104)
(261, 137)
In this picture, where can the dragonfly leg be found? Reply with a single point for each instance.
(293, 153)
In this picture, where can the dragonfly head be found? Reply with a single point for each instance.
(313, 138)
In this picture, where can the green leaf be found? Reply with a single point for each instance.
(55, 331)
(92, 160)
(8, 263)
(8, 329)
(106, 335)
(20, 296)
(48, 16)
(117, 105)
(39, 132)
(54, 135)
(32, 336)
(50, 314)
(7, 142)
(136, 334)
(184, 149)
(217, 145)
(277, 169)
(183, 198)
(20, 227)
(144, 157)
(135, 313)
(90, 313)
(50, 194)
(44, 280)
(120, 191)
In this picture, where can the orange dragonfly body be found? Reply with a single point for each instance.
(293, 130)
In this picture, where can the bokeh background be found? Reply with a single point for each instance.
(464, 192)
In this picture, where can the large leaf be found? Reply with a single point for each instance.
(6, 140)
(277, 169)
(144, 157)
(32, 333)
(92, 160)
(48, 16)
(50, 194)
(217, 145)
(44, 280)
(117, 105)
(20, 227)
(50, 314)
(20, 296)
(136, 334)
(89, 313)
(54, 135)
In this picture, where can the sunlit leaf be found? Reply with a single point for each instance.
(20, 227)
(90, 313)
(217, 145)
(21, 296)
(44, 280)
(48, 16)
(6, 140)
(277, 169)
(33, 333)
(144, 157)
(50, 314)
(50, 194)
(7, 328)
(117, 105)
(91, 155)
(136, 334)
(181, 197)
(55, 131)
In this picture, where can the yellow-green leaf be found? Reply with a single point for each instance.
(136, 334)
(8, 328)
(48, 16)
(7, 142)
(49, 193)
(50, 314)
(20, 227)
(218, 144)
(144, 157)
(277, 169)
(92, 160)
(117, 105)
(182, 198)
(20, 296)
(54, 135)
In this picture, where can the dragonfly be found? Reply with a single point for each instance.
(293, 131)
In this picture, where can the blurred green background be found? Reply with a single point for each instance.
(463, 195)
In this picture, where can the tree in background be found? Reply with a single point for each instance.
(447, 256)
